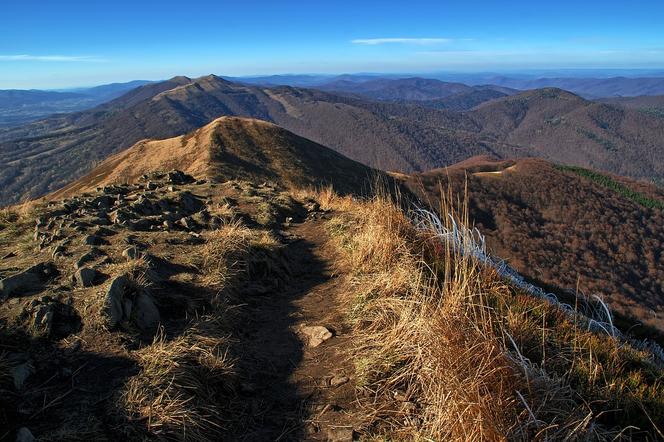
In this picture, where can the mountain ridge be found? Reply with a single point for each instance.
(407, 137)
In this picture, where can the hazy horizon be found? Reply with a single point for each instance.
(75, 44)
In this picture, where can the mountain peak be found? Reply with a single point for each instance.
(232, 148)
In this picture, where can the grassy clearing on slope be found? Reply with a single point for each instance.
(449, 351)
(609, 183)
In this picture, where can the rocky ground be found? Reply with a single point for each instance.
(91, 284)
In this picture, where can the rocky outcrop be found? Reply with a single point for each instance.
(28, 280)
(126, 303)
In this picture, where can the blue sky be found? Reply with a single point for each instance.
(56, 44)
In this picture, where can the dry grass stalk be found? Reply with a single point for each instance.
(183, 389)
(435, 327)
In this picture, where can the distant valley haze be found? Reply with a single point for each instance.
(66, 44)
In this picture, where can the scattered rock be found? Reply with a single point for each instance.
(57, 251)
(312, 206)
(315, 335)
(51, 318)
(20, 373)
(179, 177)
(9, 255)
(188, 202)
(103, 231)
(113, 303)
(28, 280)
(85, 277)
(93, 254)
(339, 380)
(124, 303)
(131, 253)
(340, 434)
(94, 240)
(24, 435)
(145, 313)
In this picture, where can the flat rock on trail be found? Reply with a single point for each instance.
(290, 394)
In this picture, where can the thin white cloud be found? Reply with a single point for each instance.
(52, 58)
(401, 40)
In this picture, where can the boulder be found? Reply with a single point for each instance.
(42, 317)
(189, 203)
(94, 240)
(93, 254)
(145, 313)
(131, 253)
(178, 177)
(315, 335)
(85, 277)
(113, 302)
(20, 373)
(338, 380)
(24, 435)
(57, 251)
(27, 280)
(124, 303)
(340, 434)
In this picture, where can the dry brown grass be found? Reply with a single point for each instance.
(217, 253)
(184, 386)
(186, 382)
(440, 343)
(435, 371)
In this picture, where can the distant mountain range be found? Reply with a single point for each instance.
(590, 87)
(435, 94)
(598, 86)
(439, 91)
(22, 106)
(401, 136)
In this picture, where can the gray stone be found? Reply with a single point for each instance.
(43, 318)
(131, 253)
(24, 435)
(29, 279)
(57, 251)
(145, 313)
(189, 202)
(336, 381)
(113, 302)
(188, 223)
(340, 434)
(87, 257)
(20, 373)
(123, 304)
(315, 335)
(85, 277)
(94, 240)
(178, 177)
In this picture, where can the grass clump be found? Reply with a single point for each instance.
(218, 253)
(435, 371)
(183, 390)
(447, 350)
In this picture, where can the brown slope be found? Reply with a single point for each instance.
(550, 123)
(49, 154)
(554, 225)
(560, 126)
(231, 148)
